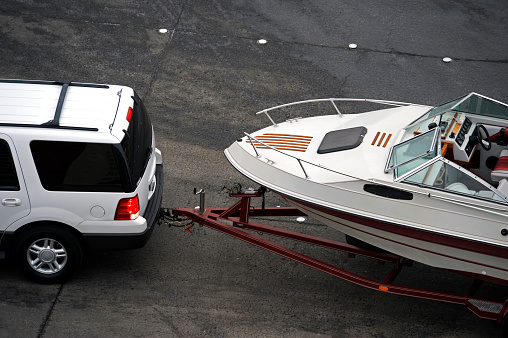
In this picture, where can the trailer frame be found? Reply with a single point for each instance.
(234, 220)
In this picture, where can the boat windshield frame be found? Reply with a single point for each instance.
(434, 149)
(437, 110)
(473, 103)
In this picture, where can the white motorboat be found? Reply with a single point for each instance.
(426, 183)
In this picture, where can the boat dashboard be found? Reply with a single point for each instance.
(460, 132)
(469, 123)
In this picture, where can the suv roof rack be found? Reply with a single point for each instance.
(55, 122)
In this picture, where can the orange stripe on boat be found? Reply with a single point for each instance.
(375, 138)
(282, 141)
(387, 139)
(259, 139)
(381, 140)
(282, 148)
(287, 135)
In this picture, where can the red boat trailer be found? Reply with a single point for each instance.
(234, 220)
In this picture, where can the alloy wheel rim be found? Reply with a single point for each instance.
(47, 256)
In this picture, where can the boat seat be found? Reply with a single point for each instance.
(503, 187)
(433, 175)
(501, 169)
(460, 187)
(501, 137)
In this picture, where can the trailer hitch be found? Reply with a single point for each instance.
(166, 217)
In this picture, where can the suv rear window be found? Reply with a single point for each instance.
(77, 166)
(8, 178)
(137, 144)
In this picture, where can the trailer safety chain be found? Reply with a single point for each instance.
(165, 217)
(235, 188)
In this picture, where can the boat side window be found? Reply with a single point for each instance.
(409, 155)
(444, 176)
(403, 169)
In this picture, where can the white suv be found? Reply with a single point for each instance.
(78, 170)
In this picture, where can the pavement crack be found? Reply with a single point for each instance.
(47, 318)
(169, 321)
(177, 23)
(164, 53)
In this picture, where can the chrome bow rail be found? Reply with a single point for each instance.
(332, 101)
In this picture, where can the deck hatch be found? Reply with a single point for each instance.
(343, 139)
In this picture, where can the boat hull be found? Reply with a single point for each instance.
(427, 230)
(425, 247)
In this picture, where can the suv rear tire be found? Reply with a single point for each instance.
(47, 254)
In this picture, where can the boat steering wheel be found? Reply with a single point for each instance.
(485, 142)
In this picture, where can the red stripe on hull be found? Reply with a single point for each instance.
(417, 234)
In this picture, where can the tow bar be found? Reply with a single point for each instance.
(233, 221)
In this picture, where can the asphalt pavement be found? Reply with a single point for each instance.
(203, 73)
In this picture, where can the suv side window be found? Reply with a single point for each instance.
(77, 166)
(8, 177)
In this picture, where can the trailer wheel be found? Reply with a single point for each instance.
(47, 254)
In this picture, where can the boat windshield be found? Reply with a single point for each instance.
(411, 154)
(471, 104)
(446, 175)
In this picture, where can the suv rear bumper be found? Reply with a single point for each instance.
(137, 240)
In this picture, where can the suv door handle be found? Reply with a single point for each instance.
(11, 202)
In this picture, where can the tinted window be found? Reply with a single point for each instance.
(137, 144)
(484, 106)
(8, 177)
(76, 166)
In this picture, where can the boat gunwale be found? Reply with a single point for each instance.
(387, 184)
(489, 209)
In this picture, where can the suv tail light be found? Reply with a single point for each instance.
(127, 209)
(129, 115)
